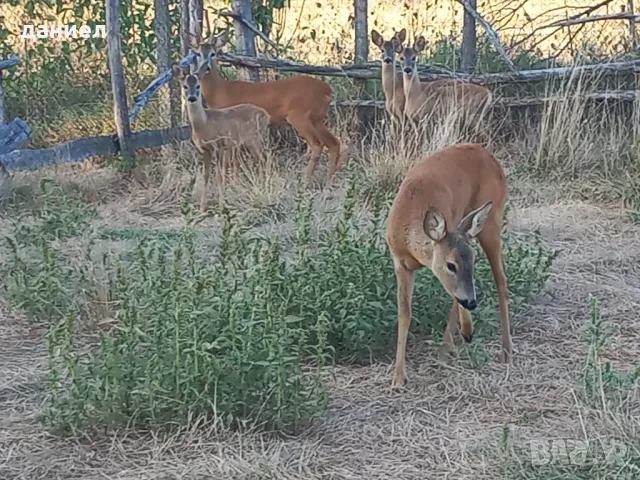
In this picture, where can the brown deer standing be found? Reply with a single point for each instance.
(437, 97)
(301, 101)
(392, 83)
(430, 225)
(220, 131)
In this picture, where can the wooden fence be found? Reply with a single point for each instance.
(125, 141)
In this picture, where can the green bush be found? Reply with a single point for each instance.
(242, 332)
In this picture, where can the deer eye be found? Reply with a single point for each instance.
(451, 267)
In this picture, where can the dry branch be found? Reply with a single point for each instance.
(584, 13)
(596, 18)
(623, 96)
(239, 18)
(491, 33)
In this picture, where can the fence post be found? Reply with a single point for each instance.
(118, 87)
(162, 24)
(468, 54)
(196, 12)
(361, 49)
(184, 48)
(633, 33)
(2, 107)
(245, 38)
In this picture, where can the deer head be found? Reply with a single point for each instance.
(211, 49)
(408, 55)
(453, 253)
(190, 80)
(388, 47)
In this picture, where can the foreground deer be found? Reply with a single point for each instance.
(430, 225)
(423, 99)
(220, 131)
(391, 80)
(301, 101)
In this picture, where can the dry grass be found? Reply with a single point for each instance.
(451, 421)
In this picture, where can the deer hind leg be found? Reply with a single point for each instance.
(489, 240)
(333, 147)
(256, 149)
(314, 145)
(405, 280)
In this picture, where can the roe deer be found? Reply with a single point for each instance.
(220, 130)
(430, 225)
(391, 80)
(301, 101)
(423, 99)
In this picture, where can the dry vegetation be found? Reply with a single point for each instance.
(266, 351)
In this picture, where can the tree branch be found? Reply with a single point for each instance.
(491, 33)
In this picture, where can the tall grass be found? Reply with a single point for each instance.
(163, 333)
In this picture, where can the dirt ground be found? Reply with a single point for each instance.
(451, 421)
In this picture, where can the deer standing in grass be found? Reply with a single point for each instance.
(392, 81)
(301, 101)
(424, 99)
(444, 202)
(220, 131)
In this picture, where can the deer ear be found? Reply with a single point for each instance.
(176, 71)
(397, 46)
(435, 225)
(473, 222)
(203, 70)
(419, 44)
(376, 38)
(402, 35)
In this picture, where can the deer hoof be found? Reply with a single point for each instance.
(506, 355)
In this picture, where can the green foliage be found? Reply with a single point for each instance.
(600, 381)
(191, 339)
(37, 277)
(242, 331)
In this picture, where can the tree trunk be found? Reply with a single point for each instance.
(118, 87)
(361, 35)
(468, 54)
(162, 25)
(245, 38)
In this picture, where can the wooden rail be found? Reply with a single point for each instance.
(83, 148)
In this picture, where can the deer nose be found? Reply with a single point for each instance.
(387, 61)
(468, 304)
(407, 70)
(191, 99)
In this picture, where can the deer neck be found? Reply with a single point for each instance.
(389, 79)
(411, 84)
(197, 115)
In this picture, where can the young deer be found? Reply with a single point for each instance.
(391, 80)
(220, 131)
(430, 225)
(301, 101)
(423, 99)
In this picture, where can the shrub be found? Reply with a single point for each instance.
(242, 333)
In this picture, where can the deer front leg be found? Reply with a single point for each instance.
(206, 164)
(405, 280)
(448, 342)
